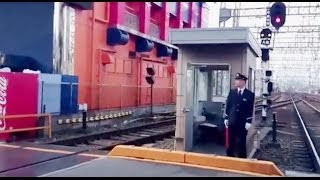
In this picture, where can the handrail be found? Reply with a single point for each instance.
(8, 117)
(23, 116)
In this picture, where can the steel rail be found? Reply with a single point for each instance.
(309, 140)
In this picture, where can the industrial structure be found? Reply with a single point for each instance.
(295, 45)
(106, 46)
(94, 55)
(124, 39)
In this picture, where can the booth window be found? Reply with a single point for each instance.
(220, 83)
(214, 82)
(202, 85)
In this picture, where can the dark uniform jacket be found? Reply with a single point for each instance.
(239, 109)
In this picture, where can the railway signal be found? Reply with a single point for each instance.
(278, 14)
(270, 87)
(266, 33)
(150, 80)
(267, 89)
(265, 36)
(268, 73)
(265, 54)
(269, 102)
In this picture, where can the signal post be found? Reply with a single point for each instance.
(277, 16)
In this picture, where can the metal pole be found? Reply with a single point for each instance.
(84, 120)
(44, 109)
(120, 96)
(70, 103)
(274, 128)
(41, 106)
(264, 94)
(151, 103)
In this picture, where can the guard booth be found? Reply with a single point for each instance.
(208, 61)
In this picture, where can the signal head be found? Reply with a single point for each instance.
(150, 71)
(264, 54)
(278, 14)
(150, 80)
(266, 33)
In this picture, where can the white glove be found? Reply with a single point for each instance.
(248, 125)
(226, 122)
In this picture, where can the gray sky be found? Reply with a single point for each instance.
(214, 14)
(303, 65)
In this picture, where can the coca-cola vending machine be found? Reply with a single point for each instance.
(18, 95)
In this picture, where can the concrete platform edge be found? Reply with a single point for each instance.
(192, 165)
(244, 166)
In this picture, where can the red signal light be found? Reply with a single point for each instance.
(278, 14)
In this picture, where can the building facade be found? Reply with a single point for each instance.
(113, 51)
(108, 45)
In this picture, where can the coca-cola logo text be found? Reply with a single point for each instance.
(3, 101)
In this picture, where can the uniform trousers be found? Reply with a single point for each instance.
(237, 141)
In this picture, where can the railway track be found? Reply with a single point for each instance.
(275, 104)
(296, 136)
(309, 143)
(143, 133)
(135, 135)
(313, 100)
(259, 101)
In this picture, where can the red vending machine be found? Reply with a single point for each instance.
(18, 95)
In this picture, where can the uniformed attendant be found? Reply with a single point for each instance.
(238, 116)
